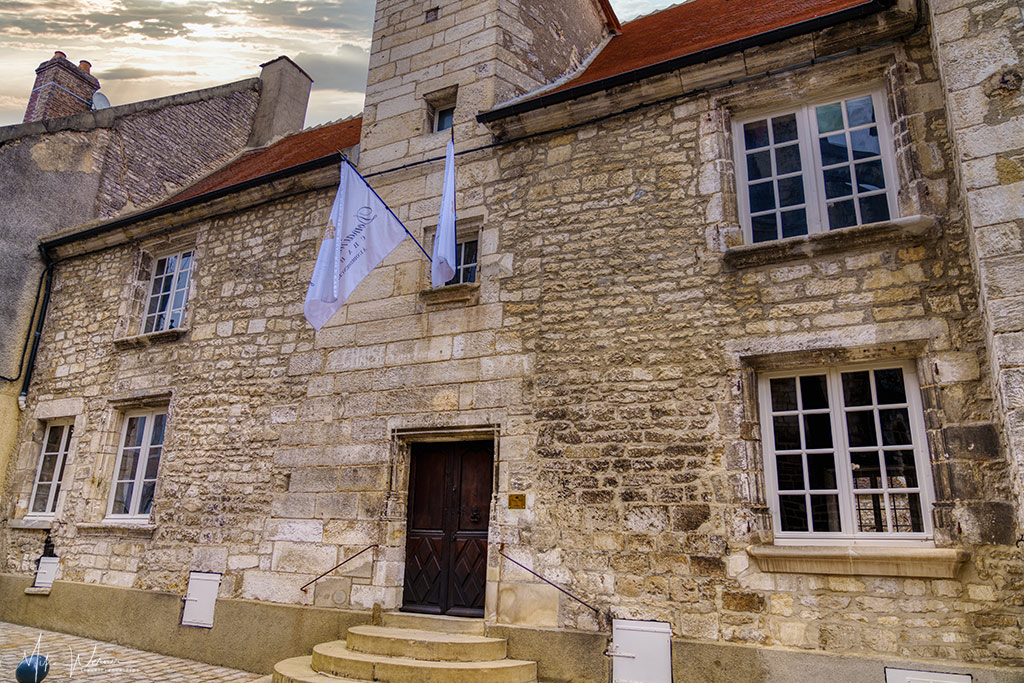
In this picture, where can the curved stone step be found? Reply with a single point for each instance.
(428, 645)
(433, 622)
(336, 659)
(300, 670)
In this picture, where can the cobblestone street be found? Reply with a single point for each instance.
(81, 659)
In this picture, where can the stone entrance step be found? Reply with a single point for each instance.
(337, 659)
(433, 622)
(427, 645)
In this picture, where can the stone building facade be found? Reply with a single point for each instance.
(625, 347)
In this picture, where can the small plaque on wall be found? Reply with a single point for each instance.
(517, 501)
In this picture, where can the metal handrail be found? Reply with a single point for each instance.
(501, 551)
(303, 589)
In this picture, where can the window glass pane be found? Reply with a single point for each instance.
(813, 392)
(793, 513)
(122, 499)
(469, 274)
(152, 463)
(821, 470)
(161, 268)
(791, 191)
(870, 176)
(42, 496)
(755, 134)
(860, 428)
(762, 197)
(159, 421)
(818, 430)
(759, 165)
(906, 512)
(900, 469)
(53, 439)
(129, 459)
(830, 118)
(783, 391)
(445, 118)
(794, 223)
(838, 183)
(841, 215)
(833, 149)
(179, 299)
(864, 143)
(764, 228)
(874, 209)
(133, 434)
(47, 467)
(469, 252)
(787, 159)
(856, 389)
(787, 432)
(790, 470)
(154, 302)
(895, 427)
(860, 111)
(889, 386)
(146, 501)
(871, 513)
(784, 128)
(825, 512)
(866, 472)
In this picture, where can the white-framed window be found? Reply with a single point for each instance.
(814, 168)
(465, 262)
(50, 472)
(138, 461)
(168, 292)
(444, 118)
(845, 454)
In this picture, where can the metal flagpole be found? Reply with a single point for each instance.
(345, 159)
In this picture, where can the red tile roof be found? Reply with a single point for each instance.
(293, 150)
(696, 26)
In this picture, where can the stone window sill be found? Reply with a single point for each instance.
(37, 590)
(466, 294)
(141, 340)
(820, 243)
(929, 563)
(125, 528)
(42, 523)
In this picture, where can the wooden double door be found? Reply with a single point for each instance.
(446, 546)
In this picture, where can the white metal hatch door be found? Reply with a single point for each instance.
(908, 676)
(641, 651)
(200, 599)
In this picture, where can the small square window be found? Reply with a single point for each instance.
(168, 292)
(444, 119)
(50, 472)
(432, 14)
(817, 168)
(138, 460)
(465, 263)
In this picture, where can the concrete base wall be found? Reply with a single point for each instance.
(246, 634)
(697, 662)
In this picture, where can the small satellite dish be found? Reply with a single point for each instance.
(100, 101)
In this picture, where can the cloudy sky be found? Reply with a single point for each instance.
(141, 49)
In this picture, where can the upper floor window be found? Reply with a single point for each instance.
(845, 455)
(816, 168)
(465, 262)
(138, 461)
(50, 473)
(168, 292)
(444, 118)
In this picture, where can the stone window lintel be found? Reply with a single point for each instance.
(821, 243)
(40, 523)
(125, 528)
(895, 561)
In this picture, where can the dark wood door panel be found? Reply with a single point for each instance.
(449, 508)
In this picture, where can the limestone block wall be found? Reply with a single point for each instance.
(981, 58)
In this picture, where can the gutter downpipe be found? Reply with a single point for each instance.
(37, 335)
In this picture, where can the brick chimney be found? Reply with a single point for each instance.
(61, 89)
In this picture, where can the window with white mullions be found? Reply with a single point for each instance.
(168, 292)
(50, 473)
(845, 455)
(465, 263)
(815, 168)
(137, 464)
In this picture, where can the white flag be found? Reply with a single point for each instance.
(443, 267)
(361, 231)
